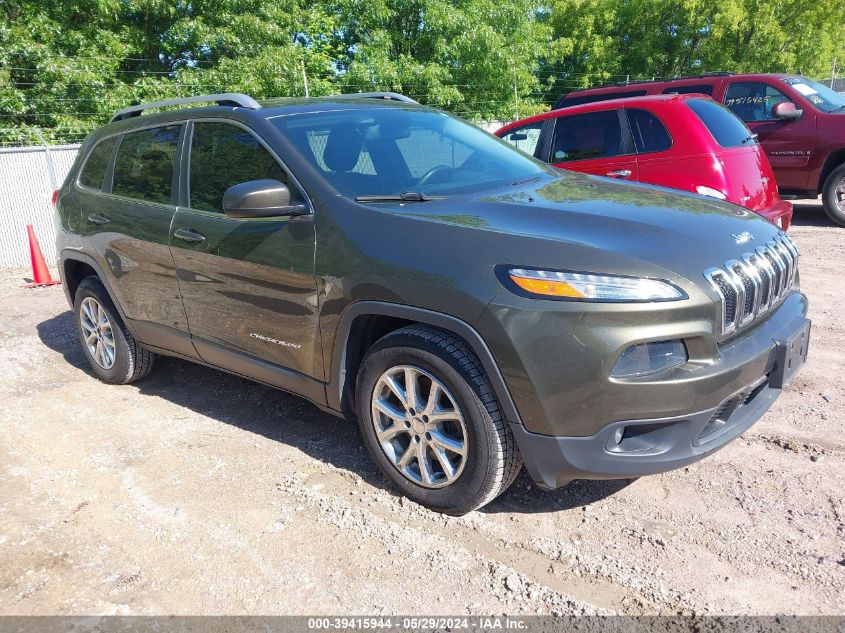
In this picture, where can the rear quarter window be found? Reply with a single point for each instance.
(94, 170)
(724, 126)
(650, 135)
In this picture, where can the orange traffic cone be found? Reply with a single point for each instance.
(40, 274)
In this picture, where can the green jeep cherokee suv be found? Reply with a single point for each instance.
(471, 306)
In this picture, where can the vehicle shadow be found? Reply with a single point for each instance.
(291, 420)
(810, 213)
(523, 497)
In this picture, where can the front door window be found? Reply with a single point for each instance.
(753, 101)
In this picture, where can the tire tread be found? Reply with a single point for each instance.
(501, 472)
(140, 360)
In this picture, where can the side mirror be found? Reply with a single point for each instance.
(260, 199)
(786, 110)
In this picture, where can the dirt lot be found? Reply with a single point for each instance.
(195, 492)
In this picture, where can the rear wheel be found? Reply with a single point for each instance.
(113, 353)
(833, 195)
(431, 422)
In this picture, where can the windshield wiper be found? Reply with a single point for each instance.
(405, 196)
(522, 182)
(749, 138)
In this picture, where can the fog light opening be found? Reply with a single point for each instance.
(618, 435)
(645, 359)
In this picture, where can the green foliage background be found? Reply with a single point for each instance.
(65, 66)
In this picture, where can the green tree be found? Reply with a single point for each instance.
(475, 57)
(602, 40)
(66, 66)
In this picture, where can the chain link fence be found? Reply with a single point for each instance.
(28, 177)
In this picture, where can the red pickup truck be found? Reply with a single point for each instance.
(799, 122)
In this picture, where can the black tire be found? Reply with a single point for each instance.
(131, 361)
(829, 196)
(492, 461)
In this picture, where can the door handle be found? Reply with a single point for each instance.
(619, 173)
(189, 235)
(98, 218)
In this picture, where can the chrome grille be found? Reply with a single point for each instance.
(754, 283)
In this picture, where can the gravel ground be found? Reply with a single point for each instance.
(196, 492)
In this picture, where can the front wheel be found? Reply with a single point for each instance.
(431, 422)
(833, 195)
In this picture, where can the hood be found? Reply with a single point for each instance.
(607, 226)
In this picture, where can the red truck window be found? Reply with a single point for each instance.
(753, 101)
(704, 89)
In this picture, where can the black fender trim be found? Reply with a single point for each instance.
(337, 383)
(79, 256)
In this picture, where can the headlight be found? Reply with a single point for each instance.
(591, 287)
(650, 358)
(709, 191)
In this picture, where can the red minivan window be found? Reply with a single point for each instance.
(726, 128)
(650, 135)
(587, 136)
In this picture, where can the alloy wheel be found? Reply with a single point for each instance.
(419, 426)
(839, 195)
(97, 330)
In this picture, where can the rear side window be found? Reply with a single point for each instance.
(703, 89)
(650, 135)
(525, 137)
(223, 155)
(143, 169)
(724, 126)
(95, 167)
(605, 96)
(586, 136)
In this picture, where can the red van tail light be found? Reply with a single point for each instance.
(55, 197)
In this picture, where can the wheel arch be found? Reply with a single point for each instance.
(834, 160)
(364, 322)
(74, 266)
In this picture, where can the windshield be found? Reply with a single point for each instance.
(822, 97)
(388, 151)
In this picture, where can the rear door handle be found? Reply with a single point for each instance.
(98, 218)
(619, 173)
(189, 235)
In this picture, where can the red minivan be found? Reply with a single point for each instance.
(682, 141)
(801, 124)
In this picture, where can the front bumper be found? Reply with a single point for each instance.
(632, 448)
(780, 214)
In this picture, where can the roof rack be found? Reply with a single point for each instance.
(390, 96)
(630, 82)
(233, 99)
(634, 82)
